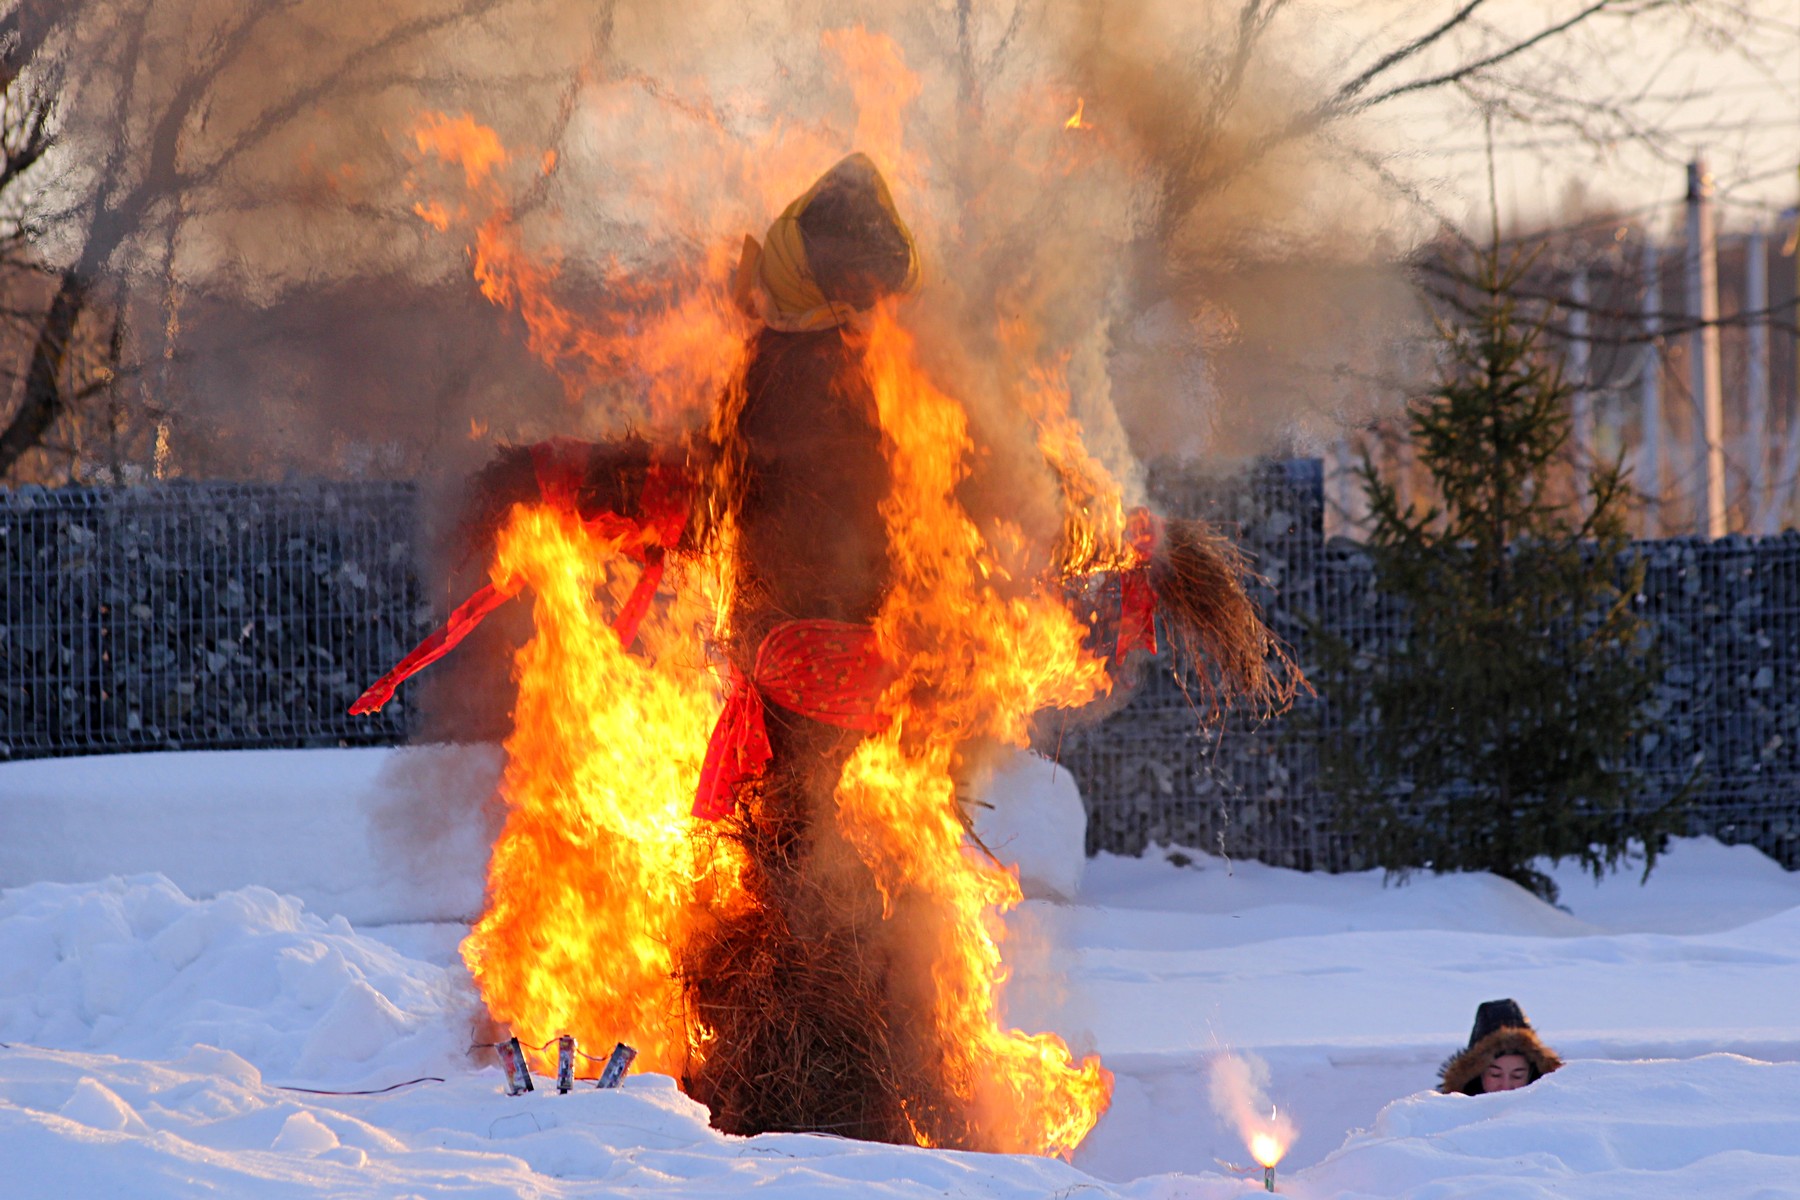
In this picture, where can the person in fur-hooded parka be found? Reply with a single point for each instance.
(1501, 1033)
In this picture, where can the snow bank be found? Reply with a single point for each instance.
(204, 1125)
(148, 1023)
(1714, 1126)
(1354, 992)
(377, 836)
(134, 967)
(1031, 818)
(89, 1125)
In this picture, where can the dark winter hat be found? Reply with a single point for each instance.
(1497, 1014)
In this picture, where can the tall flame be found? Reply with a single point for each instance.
(663, 346)
(591, 880)
(974, 662)
(599, 875)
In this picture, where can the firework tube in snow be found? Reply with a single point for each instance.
(617, 1063)
(512, 1061)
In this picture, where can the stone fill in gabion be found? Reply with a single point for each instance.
(191, 616)
(1727, 621)
(215, 616)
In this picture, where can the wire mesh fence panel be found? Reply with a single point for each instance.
(231, 616)
(1726, 733)
(202, 615)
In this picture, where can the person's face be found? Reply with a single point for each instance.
(1506, 1072)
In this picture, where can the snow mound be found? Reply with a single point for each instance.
(1713, 1126)
(380, 835)
(1032, 819)
(135, 967)
(203, 1135)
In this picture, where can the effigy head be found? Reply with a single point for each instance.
(836, 251)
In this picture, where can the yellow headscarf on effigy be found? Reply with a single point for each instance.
(774, 282)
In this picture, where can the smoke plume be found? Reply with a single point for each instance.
(1238, 1090)
(1182, 254)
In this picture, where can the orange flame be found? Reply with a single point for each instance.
(594, 872)
(660, 348)
(1075, 121)
(599, 873)
(1267, 1149)
(974, 663)
(461, 140)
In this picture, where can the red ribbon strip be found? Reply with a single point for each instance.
(440, 642)
(1137, 599)
(828, 671)
(561, 464)
(738, 750)
(664, 504)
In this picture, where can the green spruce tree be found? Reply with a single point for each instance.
(1494, 731)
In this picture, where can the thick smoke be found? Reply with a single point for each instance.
(1171, 257)
(1099, 196)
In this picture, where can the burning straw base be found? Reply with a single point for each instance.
(795, 990)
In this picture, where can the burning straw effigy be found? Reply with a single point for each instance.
(735, 836)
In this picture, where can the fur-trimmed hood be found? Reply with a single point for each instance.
(1462, 1072)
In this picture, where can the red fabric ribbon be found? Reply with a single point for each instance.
(737, 751)
(1137, 599)
(664, 505)
(440, 642)
(561, 464)
(828, 671)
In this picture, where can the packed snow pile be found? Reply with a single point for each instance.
(152, 1035)
(1030, 817)
(376, 835)
(205, 1125)
(134, 967)
(1718, 1125)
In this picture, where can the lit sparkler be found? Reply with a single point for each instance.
(1267, 1146)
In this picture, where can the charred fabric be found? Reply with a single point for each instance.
(815, 996)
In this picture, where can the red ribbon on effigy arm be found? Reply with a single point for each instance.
(664, 505)
(829, 671)
(438, 643)
(561, 464)
(1137, 599)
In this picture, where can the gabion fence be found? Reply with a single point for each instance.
(1727, 620)
(202, 616)
(207, 616)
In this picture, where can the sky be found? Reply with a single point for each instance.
(1728, 93)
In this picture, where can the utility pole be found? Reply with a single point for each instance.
(1705, 373)
(1755, 450)
(1650, 390)
(1789, 471)
(1581, 401)
(1345, 489)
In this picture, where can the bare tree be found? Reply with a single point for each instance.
(127, 122)
(1536, 65)
(153, 162)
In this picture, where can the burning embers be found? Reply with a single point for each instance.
(764, 654)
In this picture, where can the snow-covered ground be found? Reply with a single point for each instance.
(186, 938)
